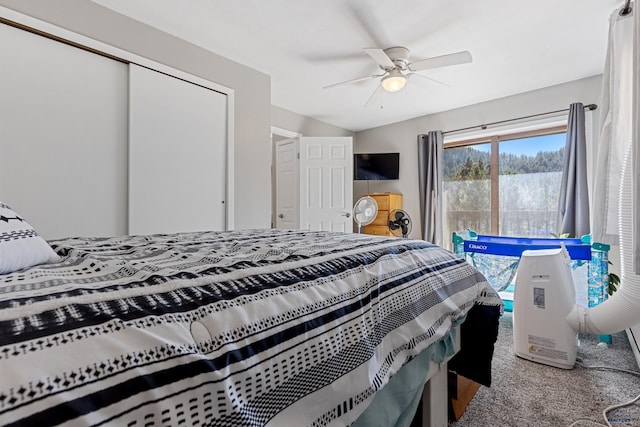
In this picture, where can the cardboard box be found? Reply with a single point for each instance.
(461, 391)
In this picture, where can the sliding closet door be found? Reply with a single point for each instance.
(177, 154)
(63, 136)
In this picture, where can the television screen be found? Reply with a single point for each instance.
(376, 166)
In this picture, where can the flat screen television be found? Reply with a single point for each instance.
(376, 166)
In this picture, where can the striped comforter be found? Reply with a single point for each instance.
(256, 327)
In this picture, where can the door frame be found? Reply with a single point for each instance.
(281, 133)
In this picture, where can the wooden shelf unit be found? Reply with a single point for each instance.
(387, 202)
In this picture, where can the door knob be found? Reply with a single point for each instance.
(281, 216)
(348, 215)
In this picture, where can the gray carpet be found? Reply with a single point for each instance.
(525, 393)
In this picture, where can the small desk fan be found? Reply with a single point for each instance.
(399, 223)
(365, 211)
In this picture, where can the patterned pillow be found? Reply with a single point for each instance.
(20, 245)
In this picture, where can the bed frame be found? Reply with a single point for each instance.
(435, 398)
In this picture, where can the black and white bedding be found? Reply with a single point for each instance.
(259, 327)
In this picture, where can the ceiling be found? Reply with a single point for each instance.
(517, 46)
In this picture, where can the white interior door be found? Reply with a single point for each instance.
(287, 184)
(326, 183)
(177, 155)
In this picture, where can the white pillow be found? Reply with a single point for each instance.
(20, 245)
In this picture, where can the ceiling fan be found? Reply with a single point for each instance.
(397, 68)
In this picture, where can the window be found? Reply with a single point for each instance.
(504, 185)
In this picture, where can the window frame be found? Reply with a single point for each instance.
(495, 140)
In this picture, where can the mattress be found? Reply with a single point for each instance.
(252, 327)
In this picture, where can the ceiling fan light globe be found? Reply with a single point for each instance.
(394, 81)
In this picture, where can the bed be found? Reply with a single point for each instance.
(252, 327)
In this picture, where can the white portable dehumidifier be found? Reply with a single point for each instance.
(544, 296)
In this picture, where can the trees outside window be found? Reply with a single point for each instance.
(504, 185)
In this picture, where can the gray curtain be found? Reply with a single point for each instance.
(430, 151)
(573, 206)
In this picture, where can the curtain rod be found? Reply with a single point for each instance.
(591, 107)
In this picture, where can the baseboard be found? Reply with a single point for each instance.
(633, 334)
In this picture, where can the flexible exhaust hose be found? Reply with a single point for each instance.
(622, 310)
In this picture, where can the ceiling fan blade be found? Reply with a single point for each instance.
(380, 57)
(419, 82)
(374, 96)
(463, 57)
(348, 82)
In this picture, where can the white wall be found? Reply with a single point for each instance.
(306, 126)
(252, 89)
(402, 137)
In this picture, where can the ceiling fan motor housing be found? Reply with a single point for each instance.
(399, 56)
